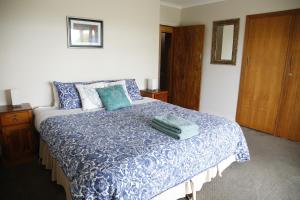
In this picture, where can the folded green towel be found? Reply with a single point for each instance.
(181, 136)
(175, 124)
(175, 127)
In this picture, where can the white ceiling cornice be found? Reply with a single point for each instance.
(169, 4)
(202, 2)
(188, 4)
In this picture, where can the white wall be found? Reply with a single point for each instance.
(33, 44)
(220, 83)
(169, 16)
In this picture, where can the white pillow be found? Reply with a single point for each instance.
(89, 96)
(55, 96)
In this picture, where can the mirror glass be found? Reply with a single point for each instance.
(227, 42)
(224, 45)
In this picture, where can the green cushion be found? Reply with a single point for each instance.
(113, 97)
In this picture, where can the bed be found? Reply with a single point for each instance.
(117, 155)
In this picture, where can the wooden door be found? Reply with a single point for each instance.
(263, 66)
(289, 116)
(187, 63)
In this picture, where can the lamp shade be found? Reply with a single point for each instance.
(15, 97)
(152, 84)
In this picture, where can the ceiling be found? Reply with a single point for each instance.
(186, 3)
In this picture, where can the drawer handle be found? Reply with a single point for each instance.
(15, 119)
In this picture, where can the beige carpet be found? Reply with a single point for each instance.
(272, 174)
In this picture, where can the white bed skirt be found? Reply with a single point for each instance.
(179, 191)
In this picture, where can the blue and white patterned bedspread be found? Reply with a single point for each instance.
(117, 155)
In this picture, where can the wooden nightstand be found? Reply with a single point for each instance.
(156, 94)
(16, 134)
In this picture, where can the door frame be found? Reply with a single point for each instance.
(167, 29)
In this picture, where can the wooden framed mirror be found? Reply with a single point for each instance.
(224, 41)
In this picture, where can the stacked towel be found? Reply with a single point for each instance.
(175, 127)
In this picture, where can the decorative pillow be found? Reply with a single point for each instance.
(89, 96)
(113, 97)
(68, 95)
(123, 83)
(55, 96)
(133, 90)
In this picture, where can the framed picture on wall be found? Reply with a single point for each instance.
(84, 32)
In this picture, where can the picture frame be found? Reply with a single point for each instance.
(84, 33)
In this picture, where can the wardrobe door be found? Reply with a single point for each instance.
(265, 53)
(187, 63)
(289, 117)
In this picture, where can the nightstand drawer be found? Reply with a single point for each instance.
(155, 94)
(145, 94)
(161, 96)
(15, 118)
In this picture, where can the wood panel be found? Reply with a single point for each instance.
(263, 66)
(187, 63)
(289, 116)
(166, 29)
(18, 141)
